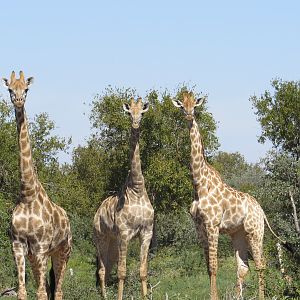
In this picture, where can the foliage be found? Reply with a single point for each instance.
(92, 171)
(282, 172)
(9, 152)
(175, 229)
(164, 147)
(279, 115)
(100, 168)
(236, 172)
(46, 146)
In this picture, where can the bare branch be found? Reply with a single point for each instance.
(152, 287)
(279, 253)
(296, 220)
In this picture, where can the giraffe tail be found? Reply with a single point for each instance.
(51, 283)
(267, 222)
(153, 243)
(97, 272)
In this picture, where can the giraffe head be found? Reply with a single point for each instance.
(188, 104)
(18, 88)
(136, 110)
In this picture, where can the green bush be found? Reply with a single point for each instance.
(176, 229)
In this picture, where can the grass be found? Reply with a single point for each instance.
(177, 274)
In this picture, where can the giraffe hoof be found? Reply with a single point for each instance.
(22, 295)
(58, 296)
(42, 296)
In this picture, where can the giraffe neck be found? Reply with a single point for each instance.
(198, 162)
(29, 186)
(136, 178)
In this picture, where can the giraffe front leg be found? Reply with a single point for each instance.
(19, 255)
(212, 248)
(36, 272)
(41, 261)
(145, 243)
(208, 236)
(122, 247)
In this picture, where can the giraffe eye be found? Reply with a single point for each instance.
(12, 94)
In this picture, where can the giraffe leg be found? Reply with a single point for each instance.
(112, 257)
(145, 243)
(212, 246)
(240, 246)
(255, 242)
(41, 262)
(19, 255)
(36, 272)
(102, 246)
(122, 247)
(208, 237)
(59, 263)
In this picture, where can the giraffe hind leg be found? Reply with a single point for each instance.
(59, 264)
(240, 246)
(112, 257)
(102, 245)
(255, 242)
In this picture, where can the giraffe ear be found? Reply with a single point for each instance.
(200, 101)
(29, 81)
(177, 103)
(126, 108)
(145, 107)
(5, 82)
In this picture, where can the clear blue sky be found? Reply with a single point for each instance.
(228, 49)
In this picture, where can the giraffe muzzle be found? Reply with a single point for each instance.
(19, 102)
(189, 117)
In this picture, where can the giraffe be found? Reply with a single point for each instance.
(39, 228)
(218, 208)
(125, 215)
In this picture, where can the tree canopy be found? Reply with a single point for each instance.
(165, 149)
(100, 167)
(279, 115)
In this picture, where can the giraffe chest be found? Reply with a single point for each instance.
(135, 215)
(31, 229)
(34, 225)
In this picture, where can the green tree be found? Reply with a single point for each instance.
(279, 115)
(9, 152)
(165, 147)
(281, 172)
(237, 172)
(46, 146)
